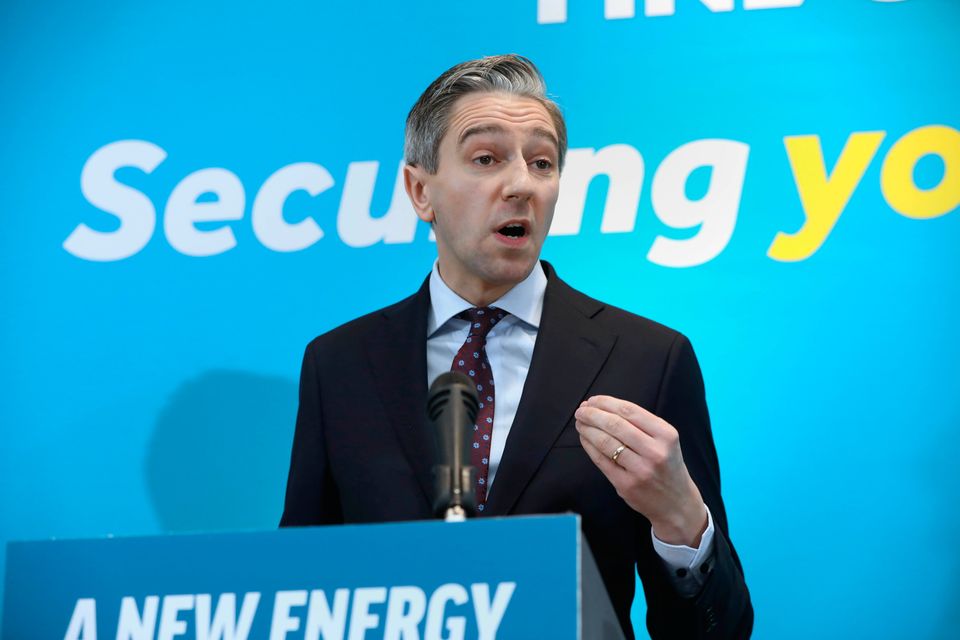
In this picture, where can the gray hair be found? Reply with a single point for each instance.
(428, 119)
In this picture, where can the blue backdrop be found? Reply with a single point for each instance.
(192, 191)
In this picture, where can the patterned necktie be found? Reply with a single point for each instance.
(472, 361)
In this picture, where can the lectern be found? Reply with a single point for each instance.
(528, 577)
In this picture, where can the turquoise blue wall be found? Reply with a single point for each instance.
(156, 392)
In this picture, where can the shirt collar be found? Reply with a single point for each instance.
(524, 300)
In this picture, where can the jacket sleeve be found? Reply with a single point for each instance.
(722, 608)
(312, 497)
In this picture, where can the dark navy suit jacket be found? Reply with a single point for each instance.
(362, 451)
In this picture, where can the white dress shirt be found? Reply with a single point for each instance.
(510, 349)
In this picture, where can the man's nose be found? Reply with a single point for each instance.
(518, 183)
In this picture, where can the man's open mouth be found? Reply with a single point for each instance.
(513, 231)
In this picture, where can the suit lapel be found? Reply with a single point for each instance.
(398, 359)
(571, 349)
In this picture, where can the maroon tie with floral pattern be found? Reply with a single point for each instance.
(472, 360)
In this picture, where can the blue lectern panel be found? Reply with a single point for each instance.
(504, 578)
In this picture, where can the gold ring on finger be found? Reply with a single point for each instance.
(616, 454)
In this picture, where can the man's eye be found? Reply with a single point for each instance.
(542, 164)
(484, 160)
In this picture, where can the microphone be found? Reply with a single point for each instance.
(452, 407)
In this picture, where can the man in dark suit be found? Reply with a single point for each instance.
(584, 407)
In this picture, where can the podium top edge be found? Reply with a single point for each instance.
(572, 518)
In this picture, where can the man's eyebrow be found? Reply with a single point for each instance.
(479, 130)
(538, 132)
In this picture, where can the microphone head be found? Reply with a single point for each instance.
(448, 384)
(452, 407)
(452, 377)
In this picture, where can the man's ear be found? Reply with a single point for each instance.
(415, 182)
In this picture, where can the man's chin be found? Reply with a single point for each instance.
(511, 272)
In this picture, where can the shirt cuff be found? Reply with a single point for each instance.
(688, 567)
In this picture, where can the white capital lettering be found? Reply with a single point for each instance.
(774, 4)
(321, 620)
(555, 11)
(282, 622)
(170, 625)
(668, 8)
(551, 11)
(360, 618)
(225, 624)
(436, 612)
(619, 9)
(132, 625)
(83, 622)
(405, 610)
(489, 615)
(135, 211)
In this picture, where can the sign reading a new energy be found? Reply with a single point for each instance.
(193, 191)
(411, 580)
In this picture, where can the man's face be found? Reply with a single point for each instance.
(493, 195)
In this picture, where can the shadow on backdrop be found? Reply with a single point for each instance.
(952, 619)
(945, 487)
(219, 453)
